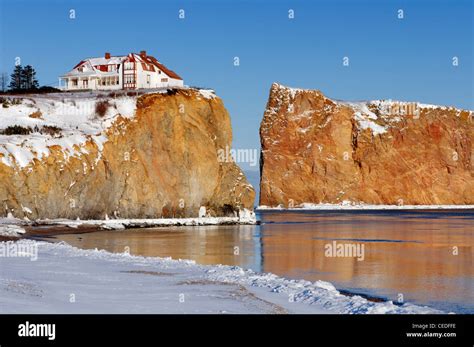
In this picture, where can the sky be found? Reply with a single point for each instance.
(409, 59)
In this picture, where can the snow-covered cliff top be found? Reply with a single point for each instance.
(65, 120)
(376, 115)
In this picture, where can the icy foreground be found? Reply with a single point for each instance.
(65, 279)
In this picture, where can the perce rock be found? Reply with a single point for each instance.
(321, 151)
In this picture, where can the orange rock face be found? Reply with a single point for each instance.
(316, 150)
(161, 163)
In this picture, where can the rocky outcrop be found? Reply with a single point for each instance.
(318, 150)
(162, 162)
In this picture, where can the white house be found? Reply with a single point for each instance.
(132, 71)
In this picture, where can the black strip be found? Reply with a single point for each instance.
(156, 330)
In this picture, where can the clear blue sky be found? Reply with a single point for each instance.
(409, 59)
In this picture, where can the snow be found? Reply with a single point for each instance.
(365, 123)
(26, 209)
(245, 217)
(202, 211)
(207, 93)
(389, 112)
(11, 230)
(104, 61)
(348, 205)
(73, 113)
(293, 91)
(364, 117)
(104, 282)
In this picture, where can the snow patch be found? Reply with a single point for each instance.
(11, 230)
(207, 93)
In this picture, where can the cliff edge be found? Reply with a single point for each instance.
(94, 156)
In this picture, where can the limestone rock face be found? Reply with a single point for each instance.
(163, 162)
(317, 150)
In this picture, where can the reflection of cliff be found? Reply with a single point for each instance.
(318, 150)
(413, 257)
(230, 245)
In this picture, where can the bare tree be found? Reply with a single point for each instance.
(3, 81)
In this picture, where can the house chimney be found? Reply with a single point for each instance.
(107, 55)
(143, 54)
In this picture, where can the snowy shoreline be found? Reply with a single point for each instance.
(119, 224)
(331, 207)
(104, 282)
(13, 227)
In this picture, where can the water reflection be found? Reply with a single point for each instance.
(405, 252)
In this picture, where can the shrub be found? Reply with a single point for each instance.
(16, 130)
(16, 101)
(101, 107)
(4, 102)
(51, 130)
(115, 94)
(47, 89)
(10, 101)
(198, 88)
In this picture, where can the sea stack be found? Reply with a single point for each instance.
(322, 151)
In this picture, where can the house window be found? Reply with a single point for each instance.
(74, 82)
(147, 79)
(164, 80)
(129, 79)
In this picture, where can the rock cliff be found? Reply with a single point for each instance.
(157, 158)
(318, 150)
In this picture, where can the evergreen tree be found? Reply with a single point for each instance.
(23, 78)
(28, 77)
(16, 78)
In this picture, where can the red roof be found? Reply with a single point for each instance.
(147, 59)
(163, 68)
(79, 64)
